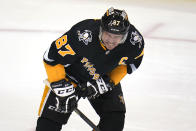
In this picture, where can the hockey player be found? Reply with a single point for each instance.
(89, 61)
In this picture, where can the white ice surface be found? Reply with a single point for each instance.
(160, 95)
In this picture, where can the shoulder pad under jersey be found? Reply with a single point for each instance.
(84, 34)
(135, 41)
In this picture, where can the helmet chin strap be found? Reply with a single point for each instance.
(124, 38)
(100, 37)
(100, 34)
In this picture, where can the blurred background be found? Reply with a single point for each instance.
(159, 96)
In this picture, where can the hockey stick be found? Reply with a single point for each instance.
(77, 111)
(89, 122)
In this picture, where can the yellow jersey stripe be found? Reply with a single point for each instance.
(142, 53)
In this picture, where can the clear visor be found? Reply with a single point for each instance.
(122, 40)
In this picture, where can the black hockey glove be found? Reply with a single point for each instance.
(66, 96)
(95, 88)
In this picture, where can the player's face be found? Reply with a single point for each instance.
(111, 40)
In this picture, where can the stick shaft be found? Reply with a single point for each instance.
(88, 121)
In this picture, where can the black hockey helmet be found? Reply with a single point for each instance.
(115, 21)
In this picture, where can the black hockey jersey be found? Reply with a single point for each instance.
(84, 56)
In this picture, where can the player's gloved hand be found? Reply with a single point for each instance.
(95, 88)
(66, 96)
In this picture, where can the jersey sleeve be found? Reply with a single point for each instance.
(61, 53)
(117, 74)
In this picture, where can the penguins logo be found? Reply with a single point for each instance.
(85, 36)
(136, 38)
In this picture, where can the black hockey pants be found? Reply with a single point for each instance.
(110, 107)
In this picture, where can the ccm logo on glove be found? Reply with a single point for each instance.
(62, 88)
